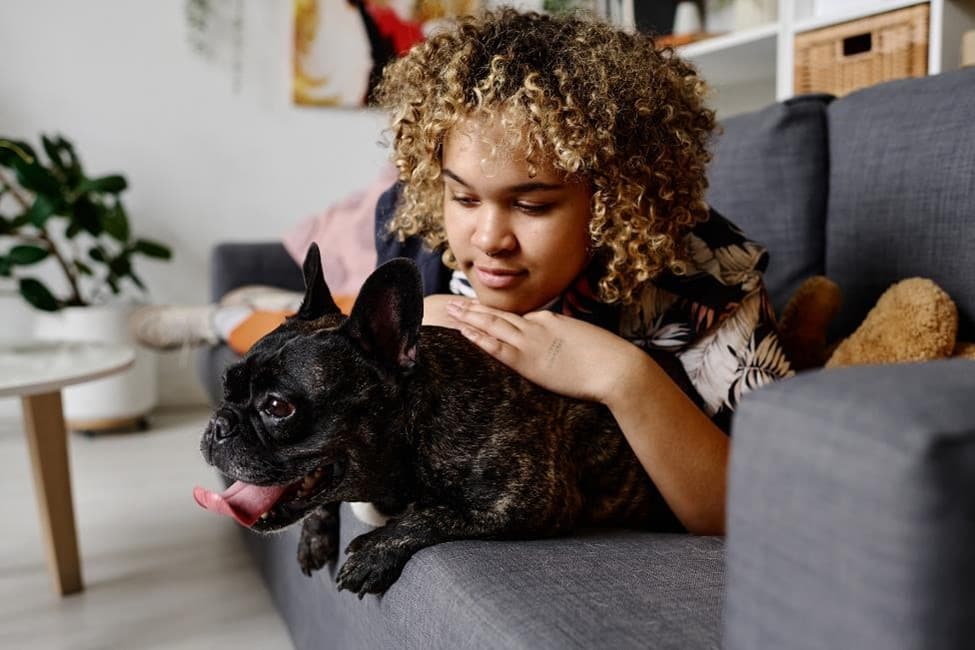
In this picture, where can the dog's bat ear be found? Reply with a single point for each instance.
(318, 299)
(386, 318)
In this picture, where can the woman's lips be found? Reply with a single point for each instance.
(498, 278)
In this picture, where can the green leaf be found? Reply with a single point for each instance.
(38, 295)
(37, 178)
(120, 266)
(88, 215)
(63, 158)
(11, 150)
(26, 255)
(70, 163)
(138, 281)
(116, 222)
(113, 284)
(83, 268)
(52, 150)
(6, 226)
(110, 184)
(5, 267)
(97, 254)
(72, 230)
(152, 249)
(41, 210)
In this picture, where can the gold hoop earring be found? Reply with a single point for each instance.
(448, 259)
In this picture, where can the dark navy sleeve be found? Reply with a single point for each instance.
(436, 276)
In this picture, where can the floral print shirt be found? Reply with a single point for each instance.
(716, 318)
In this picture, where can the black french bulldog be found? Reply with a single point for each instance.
(420, 422)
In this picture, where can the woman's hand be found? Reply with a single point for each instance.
(564, 355)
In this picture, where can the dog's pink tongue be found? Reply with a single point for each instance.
(242, 501)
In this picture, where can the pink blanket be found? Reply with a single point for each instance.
(344, 233)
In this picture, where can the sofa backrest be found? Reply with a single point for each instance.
(902, 192)
(769, 177)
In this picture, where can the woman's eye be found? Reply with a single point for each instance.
(533, 208)
(278, 408)
(465, 201)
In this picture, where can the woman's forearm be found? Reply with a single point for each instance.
(681, 449)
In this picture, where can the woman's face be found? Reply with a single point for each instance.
(519, 239)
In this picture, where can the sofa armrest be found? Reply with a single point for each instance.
(851, 516)
(235, 264)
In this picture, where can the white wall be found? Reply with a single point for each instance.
(205, 163)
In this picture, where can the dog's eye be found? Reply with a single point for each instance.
(278, 408)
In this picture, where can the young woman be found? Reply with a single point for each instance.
(558, 167)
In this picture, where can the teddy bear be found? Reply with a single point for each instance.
(913, 320)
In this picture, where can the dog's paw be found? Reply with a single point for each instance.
(318, 544)
(372, 566)
(315, 551)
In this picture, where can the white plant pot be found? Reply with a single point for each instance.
(122, 397)
(18, 317)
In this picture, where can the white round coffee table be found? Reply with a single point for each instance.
(37, 371)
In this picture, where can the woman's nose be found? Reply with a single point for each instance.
(493, 234)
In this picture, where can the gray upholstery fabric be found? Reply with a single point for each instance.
(234, 265)
(237, 264)
(902, 192)
(852, 511)
(768, 176)
(597, 589)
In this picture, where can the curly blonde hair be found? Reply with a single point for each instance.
(601, 104)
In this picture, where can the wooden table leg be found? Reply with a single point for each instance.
(48, 444)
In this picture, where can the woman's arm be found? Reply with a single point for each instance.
(684, 453)
(681, 449)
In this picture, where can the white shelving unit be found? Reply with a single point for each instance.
(751, 68)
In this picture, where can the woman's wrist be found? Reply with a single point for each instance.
(630, 374)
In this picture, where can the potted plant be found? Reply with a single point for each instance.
(54, 214)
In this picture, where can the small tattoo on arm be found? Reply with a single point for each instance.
(553, 351)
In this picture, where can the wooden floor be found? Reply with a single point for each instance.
(159, 571)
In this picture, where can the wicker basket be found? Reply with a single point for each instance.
(842, 58)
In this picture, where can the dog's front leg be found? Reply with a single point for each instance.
(377, 558)
(319, 541)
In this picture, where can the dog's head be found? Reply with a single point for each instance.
(309, 414)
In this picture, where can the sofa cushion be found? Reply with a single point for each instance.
(902, 192)
(612, 589)
(769, 177)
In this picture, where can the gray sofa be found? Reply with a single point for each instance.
(852, 492)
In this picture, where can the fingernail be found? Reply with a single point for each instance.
(468, 332)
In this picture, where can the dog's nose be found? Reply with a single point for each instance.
(222, 426)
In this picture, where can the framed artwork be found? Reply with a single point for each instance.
(341, 46)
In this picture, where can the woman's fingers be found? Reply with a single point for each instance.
(492, 322)
(498, 349)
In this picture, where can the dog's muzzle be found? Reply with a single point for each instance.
(221, 427)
